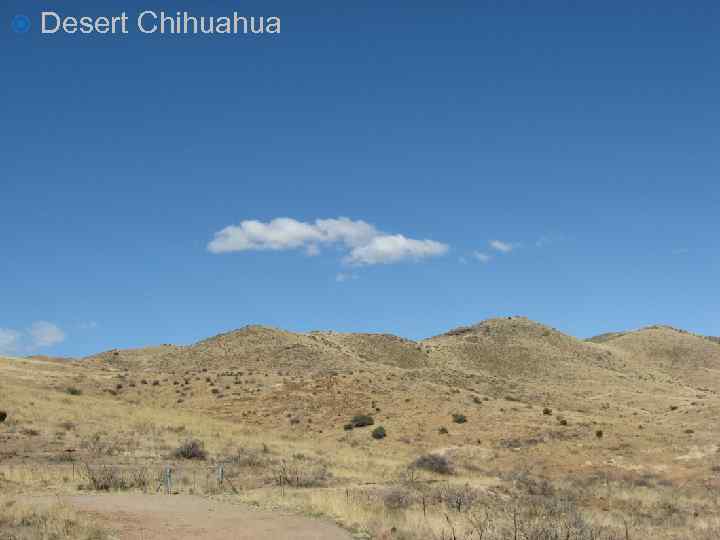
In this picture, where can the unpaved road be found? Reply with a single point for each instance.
(185, 517)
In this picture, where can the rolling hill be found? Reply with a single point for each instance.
(500, 396)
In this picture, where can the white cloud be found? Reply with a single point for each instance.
(366, 244)
(45, 334)
(482, 257)
(288, 233)
(9, 340)
(342, 277)
(41, 334)
(503, 247)
(390, 249)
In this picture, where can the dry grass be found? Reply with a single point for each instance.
(23, 521)
(278, 430)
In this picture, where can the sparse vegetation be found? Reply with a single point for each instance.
(397, 498)
(379, 433)
(434, 463)
(109, 478)
(191, 449)
(21, 521)
(660, 480)
(301, 472)
(459, 418)
(73, 391)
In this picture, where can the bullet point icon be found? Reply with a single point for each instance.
(20, 24)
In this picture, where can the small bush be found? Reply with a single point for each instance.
(250, 458)
(547, 411)
(101, 444)
(599, 433)
(378, 433)
(73, 391)
(105, 478)
(3, 416)
(397, 499)
(348, 427)
(362, 420)
(458, 498)
(443, 431)
(191, 449)
(434, 463)
(301, 472)
(459, 418)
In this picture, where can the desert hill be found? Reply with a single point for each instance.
(517, 356)
(258, 375)
(685, 357)
(276, 349)
(499, 398)
(502, 357)
(519, 347)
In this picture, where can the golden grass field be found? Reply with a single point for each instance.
(508, 429)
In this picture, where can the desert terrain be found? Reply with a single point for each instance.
(504, 429)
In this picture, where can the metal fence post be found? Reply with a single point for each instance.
(168, 480)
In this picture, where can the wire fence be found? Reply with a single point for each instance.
(159, 478)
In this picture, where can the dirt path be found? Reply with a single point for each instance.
(185, 517)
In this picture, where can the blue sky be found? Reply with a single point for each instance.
(580, 137)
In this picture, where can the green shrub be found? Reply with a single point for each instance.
(362, 420)
(73, 391)
(378, 433)
(459, 418)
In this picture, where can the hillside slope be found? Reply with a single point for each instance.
(684, 357)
